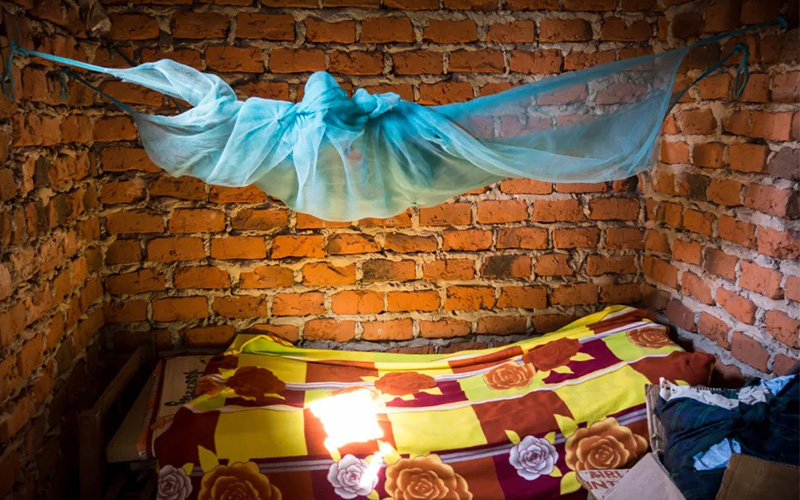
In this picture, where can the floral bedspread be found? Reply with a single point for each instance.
(512, 422)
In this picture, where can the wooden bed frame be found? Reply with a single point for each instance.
(98, 478)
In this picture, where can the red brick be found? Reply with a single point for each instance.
(525, 186)
(448, 31)
(714, 329)
(783, 245)
(122, 192)
(709, 154)
(245, 306)
(698, 121)
(773, 201)
(720, 263)
(792, 288)
(598, 264)
(132, 27)
(737, 306)
(143, 280)
(783, 328)
(387, 29)
(411, 4)
(619, 30)
(238, 247)
(297, 246)
(199, 25)
(388, 270)
(357, 302)
(674, 152)
(786, 87)
(208, 336)
(320, 31)
(524, 297)
(680, 315)
(317, 274)
(449, 269)
(506, 266)
(687, 251)
(196, 220)
(265, 26)
(509, 32)
(296, 60)
(348, 243)
(783, 365)
(448, 214)
(329, 329)
(698, 222)
(473, 61)
(398, 329)
(470, 4)
(564, 30)
(725, 192)
(749, 351)
(444, 328)
(772, 126)
(261, 219)
(661, 271)
(356, 62)
(554, 264)
(203, 277)
(576, 238)
(180, 308)
(738, 123)
(404, 243)
(501, 325)
(184, 188)
(173, 249)
(614, 209)
(134, 221)
(571, 295)
(582, 187)
(298, 304)
(227, 59)
(756, 89)
(538, 62)
(417, 62)
(557, 211)
(445, 92)
(267, 277)
(746, 157)
(623, 293)
(467, 240)
(715, 87)
(697, 287)
(501, 211)
(761, 280)
(469, 298)
(624, 238)
(413, 301)
(248, 194)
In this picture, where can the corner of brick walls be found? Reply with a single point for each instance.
(51, 291)
(722, 234)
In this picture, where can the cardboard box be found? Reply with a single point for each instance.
(599, 483)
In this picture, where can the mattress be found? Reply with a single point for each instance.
(272, 421)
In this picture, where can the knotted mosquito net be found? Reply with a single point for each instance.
(376, 155)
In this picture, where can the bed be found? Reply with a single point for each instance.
(267, 420)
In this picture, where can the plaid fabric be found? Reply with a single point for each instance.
(768, 430)
(512, 422)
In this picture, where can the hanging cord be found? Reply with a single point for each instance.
(742, 74)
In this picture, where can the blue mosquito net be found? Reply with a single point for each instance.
(376, 155)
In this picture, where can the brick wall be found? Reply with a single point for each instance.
(709, 238)
(190, 263)
(51, 292)
(722, 241)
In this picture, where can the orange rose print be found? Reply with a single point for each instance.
(255, 382)
(402, 383)
(603, 445)
(651, 338)
(240, 481)
(552, 354)
(425, 478)
(508, 376)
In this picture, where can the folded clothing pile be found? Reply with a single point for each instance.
(704, 427)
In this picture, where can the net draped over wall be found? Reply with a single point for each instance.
(375, 155)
